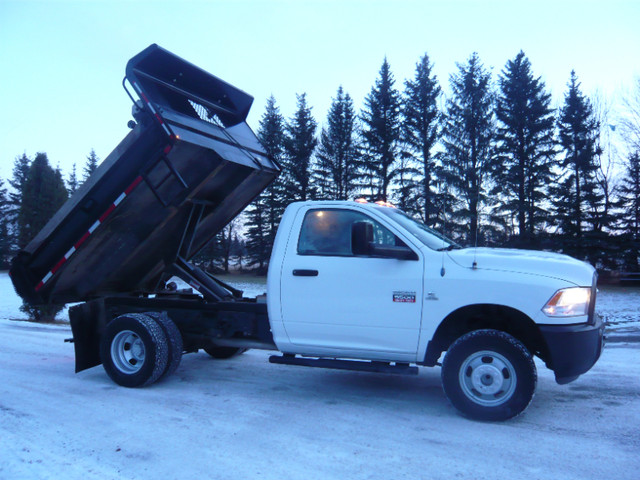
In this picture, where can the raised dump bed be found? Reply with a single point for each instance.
(188, 167)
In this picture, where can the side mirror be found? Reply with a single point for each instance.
(361, 238)
(362, 244)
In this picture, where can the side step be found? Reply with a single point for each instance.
(361, 366)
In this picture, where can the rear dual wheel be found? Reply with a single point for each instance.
(137, 349)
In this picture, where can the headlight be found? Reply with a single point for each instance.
(568, 302)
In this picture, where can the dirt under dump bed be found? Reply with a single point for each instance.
(188, 167)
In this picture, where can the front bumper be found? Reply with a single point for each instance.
(573, 349)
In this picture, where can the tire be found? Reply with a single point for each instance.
(134, 350)
(174, 340)
(223, 353)
(489, 375)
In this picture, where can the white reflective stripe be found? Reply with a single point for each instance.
(119, 199)
(166, 129)
(135, 85)
(153, 110)
(69, 253)
(47, 277)
(94, 226)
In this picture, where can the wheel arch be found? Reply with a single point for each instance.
(486, 316)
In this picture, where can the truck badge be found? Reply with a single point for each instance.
(404, 297)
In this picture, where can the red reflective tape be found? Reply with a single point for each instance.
(133, 185)
(159, 118)
(106, 214)
(58, 265)
(144, 97)
(167, 149)
(81, 241)
(40, 285)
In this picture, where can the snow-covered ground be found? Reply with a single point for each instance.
(245, 418)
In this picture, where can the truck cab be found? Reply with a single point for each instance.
(356, 280)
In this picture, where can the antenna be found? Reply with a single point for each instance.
(444, 228)
(474, 265)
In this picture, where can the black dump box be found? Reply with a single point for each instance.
(188, 167)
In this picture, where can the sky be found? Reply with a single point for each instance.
(62, 62)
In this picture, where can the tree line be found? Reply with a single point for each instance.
(489, 164)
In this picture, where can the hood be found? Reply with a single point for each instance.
(531, 262)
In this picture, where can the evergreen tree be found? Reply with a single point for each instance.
(629, 204)
(469, 158)
(5, 239)
(421, 132)
(338, 165)
(263, 215)
(72, 182)
(20, 172)
(43, 194)
(381, 134)
(91, 165)
(299, 143)
(526, 145)
(576, 196)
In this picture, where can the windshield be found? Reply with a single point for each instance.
(431, 238)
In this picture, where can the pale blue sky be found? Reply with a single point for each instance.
(62, 62)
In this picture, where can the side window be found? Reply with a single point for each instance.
(328, 232)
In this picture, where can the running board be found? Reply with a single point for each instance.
(361, 366)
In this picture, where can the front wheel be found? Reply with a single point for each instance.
(489, 375)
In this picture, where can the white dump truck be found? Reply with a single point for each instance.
(351, 285)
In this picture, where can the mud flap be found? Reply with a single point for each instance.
(87, 324)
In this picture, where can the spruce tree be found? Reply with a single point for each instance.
(469, 157)
(299, 143)
(20, 172)
(381, 134)
(526, 146)
(629, 205)
(72, 182)
(338, 167)
(91, 165)
(43, 194)
(263, 215)
(5, 239)
(577, 198)
(421, 131)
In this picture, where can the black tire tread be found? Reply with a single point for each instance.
(513, 407)
(174, 340)
(158, 353)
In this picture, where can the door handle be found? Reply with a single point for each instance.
(305, 273)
